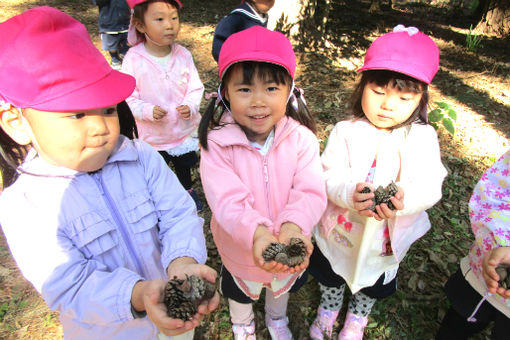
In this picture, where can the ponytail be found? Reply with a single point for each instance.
(209, 121)
(11, 156)
(301, 112)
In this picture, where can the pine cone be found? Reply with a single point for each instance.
(504, 276)
(296, 251)
(182, 297)
(272, 250)
(366, 190)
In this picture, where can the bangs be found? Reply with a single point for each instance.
(266, 72)
(397, 80)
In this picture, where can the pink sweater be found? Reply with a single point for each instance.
(245, 189)
(176, 84)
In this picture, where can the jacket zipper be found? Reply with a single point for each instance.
(118, 221)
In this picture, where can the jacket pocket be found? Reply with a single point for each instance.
(93, 234)
(141, 212)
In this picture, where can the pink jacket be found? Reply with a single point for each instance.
(245, 189)
(177, 84)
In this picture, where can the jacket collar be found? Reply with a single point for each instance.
(231, 134)
(250, 12)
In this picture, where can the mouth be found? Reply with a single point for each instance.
(383, 117)
(259, 117)
(97, 145)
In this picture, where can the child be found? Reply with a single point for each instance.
(168, 89)
(261, 175)
(113, 25)
(387, 140)
(95, 221)
(473, 291)
(249, 13)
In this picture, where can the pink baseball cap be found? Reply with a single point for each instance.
(257, 44)
(133, 3)
(48, 62)
(405, 50)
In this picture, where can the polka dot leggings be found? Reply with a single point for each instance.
(332, 299)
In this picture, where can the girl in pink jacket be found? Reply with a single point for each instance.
(261, 175)
(168, 90)
(361, 240)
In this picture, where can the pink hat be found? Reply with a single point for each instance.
(405, 50)
(257, 44)
(133, 3)
(48, 62)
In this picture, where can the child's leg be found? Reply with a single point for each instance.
(240, 313)
(276, 316)
(331, 297)
(361, 304)
(182, 165)
(456, 326)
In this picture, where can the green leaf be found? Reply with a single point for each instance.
(434, 125)
(372, 325)
(453, 114)
(448, 124)
(443, 105)
(435, 115)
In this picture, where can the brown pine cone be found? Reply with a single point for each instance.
(272, 250)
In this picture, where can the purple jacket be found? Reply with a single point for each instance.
(83, 240)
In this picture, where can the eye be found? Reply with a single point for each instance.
(175, 18)
(110, 111)
(159, 19)
(77, 115)
(405, 99)
(243, 89)
(379, 92)
(272, 88)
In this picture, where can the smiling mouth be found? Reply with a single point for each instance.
(259, 117)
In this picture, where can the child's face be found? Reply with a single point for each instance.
(263, 6)
(387, 106)
(258, 106)
(162, 25)
(81, 141)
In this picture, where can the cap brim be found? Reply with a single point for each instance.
(108, 91)
(409, 71)
(256, 56)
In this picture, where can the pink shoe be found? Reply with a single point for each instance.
(323, 324)
(353, 327)
(244, 332)
(278, 329)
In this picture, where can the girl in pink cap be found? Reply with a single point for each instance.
(361, 240)
(261, 175)
(168, 90)
(96, 221)
(476, 297)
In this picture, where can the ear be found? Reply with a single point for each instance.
(15, 126)
(227, 97)
(140, 27)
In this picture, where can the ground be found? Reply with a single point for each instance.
(475, 84)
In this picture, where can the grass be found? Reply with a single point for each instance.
(327, 75)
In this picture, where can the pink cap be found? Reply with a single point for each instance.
(405, 50)
(257, 44)
(48, 62)
(133, 3)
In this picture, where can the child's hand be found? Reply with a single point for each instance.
(363, 201)
(148, 296)
(184, 111)
(290, 230)
(183, 266)
(261, 240)
(383, 212)
(491, 260)
(158, 112)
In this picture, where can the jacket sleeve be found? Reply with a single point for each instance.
(195, 89)
(307, 198)
(142, 110)
(230, 200)
(225, 28)
(180, 228)
(422, 171)
(337, 170)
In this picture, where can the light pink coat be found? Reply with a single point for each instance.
(245, 189)
(176, 84)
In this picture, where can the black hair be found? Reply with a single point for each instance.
(140, 9)
(398, 80)
(211, 119)
(12, 154)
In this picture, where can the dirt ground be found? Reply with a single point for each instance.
(475, 84)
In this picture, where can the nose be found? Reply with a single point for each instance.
(388, 103)
(258, 99)
(97, 125)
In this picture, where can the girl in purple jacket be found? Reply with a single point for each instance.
(261, 175)
(95, 221)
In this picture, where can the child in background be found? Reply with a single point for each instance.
(261, 175)
(113, 19)
(95, 221)
(168, 89)
(388, 139)
(473, 291)
(249, 13)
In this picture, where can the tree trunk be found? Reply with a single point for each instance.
(495, 17)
